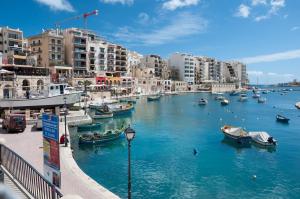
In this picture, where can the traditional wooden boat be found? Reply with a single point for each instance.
(202, 101)
(282, 119)
(128, 100)
(89, 127)
(153, 98)
(262, 138)
(97, 138)
(237, 134)
(224, 102)
(121, 109)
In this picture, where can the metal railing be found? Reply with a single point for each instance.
(27, 176)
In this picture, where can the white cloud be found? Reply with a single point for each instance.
(61, 5)
(295, 28)
(128, 2)
(180, 26)
(174, 4)
(258, 2)
(255, 73)
(275, 5)
(243, 11)
(292, 54)
(143, 18)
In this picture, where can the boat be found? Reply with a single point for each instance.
(297, 105)
(262, 100)
(120, 109)
(265, 92)
(128, 100)
(219, 97)
(101, 112)
(234, 93)
(282, 119)
(153, 98)
(243, 98)
(237, 134)
(97, 138)
(256, 96)
(55, 96)
(262, 138)
(225, 102)
(202, 101)
(89, 127)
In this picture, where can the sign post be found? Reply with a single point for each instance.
(51, 148)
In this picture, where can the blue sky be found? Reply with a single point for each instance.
(263, 33)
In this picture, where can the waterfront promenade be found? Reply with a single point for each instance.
(29, 145)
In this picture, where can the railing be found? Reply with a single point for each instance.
(27, 176)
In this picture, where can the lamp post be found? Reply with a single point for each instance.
(130, 134)
(65, 113)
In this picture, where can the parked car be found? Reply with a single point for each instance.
(14, 123)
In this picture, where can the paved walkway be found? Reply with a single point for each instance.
(29, 145)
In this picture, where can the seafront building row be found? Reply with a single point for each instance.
(76, 55)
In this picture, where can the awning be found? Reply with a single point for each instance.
(63, 67)
(19, 57)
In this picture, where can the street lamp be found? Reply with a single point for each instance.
(130, 134)
(65, 113)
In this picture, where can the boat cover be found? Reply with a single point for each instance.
(260, 136)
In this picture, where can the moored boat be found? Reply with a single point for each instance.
(234, 93)
(256, 96)
(282, 119)
(237, 134)
(202, 101)
(97, 138)
(243, 98)
(297, 105)
(262, 138)
(225, 102)
(262, 100)
(153, 98)
(219, 97)
(120, 109)
(89, 127)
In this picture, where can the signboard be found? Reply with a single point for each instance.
(51, 148)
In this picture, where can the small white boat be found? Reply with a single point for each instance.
(243, 98)
(262, 100)
(225, 102)
(262, 138)
(202, 101)
(236, 133)
(297, 105)
(256, 96)
(219, 97)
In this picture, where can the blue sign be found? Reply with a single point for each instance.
(51, 126)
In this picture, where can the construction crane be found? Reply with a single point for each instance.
(84, 16)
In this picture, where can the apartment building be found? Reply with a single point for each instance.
(185, 63)
(133, 61)
(49, 48)
(11, 41)
(153, 61)
(97, 55)
(240, 71)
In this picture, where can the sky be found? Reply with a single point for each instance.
(265, 34)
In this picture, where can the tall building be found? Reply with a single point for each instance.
(153, 61)
(11, 40)
(97, 58)
(185, 64)
(133, 60)
(49, 48)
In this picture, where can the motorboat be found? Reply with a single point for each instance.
(202, 101)
(225, 102)
(262, 138)
(219, 97)
(265, 92)
(297, 105)
(256, 96)
(153, 98)
(262, 100)
(243, 98)
(98, 138)
(121, 109)
(236, 133)
(234, 93)
(89, 127)
(282, 119)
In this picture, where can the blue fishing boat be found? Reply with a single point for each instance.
(121, 109)
(153, 98)
(98, 138)
(282, 119)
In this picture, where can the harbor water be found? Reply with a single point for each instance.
(167, 132)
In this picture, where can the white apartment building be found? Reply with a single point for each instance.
(11, 41)
(97, 57)
(117, 59)
(185, 63)
(134, 60)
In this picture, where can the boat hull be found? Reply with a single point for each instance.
(104, 140)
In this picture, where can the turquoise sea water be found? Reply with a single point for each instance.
(167, 131)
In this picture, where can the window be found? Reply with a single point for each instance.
(53, 56)
(59, 49)
(59, 57)
(58, 41)
(53, 48)
(53, 41)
